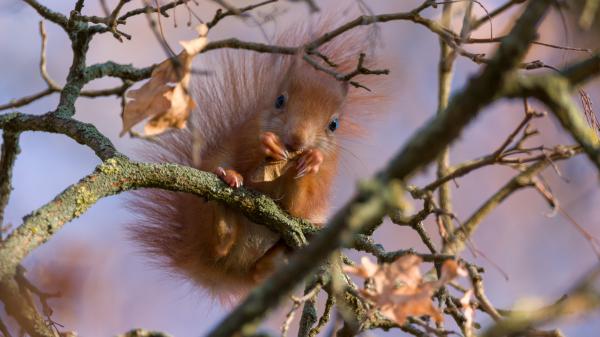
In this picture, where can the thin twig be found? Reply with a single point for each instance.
(51, 84)
(485, 303)
(522, 180)
(324, 317)
(220, 15)
(297, 302)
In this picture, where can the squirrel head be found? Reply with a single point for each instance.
(306, 109)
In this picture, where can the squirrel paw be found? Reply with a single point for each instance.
(230, 177)
(272, 146)
(309, 162)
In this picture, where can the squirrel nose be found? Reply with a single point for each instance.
(295, 142)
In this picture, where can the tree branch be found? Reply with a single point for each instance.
(119, 174)
(122, 71)
(555, 91)
(369, 205)
(524, 179)
(23, 311)
(48, 14)
(83, 133)
(445, 67)
(9, 152)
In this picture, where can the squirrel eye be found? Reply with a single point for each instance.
(279, 101)
(334, 124)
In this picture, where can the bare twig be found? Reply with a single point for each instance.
(26, 100)
(507, 5)
(324, 317)
(445, 72)
(485, 303)
(51, 84)
(524, 179)
(297, 302)
(219, 15)
(550, 45)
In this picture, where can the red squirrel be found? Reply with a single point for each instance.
(254, 109)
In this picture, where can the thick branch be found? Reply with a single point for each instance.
(23, 311)
(10, 150)
(119, 174)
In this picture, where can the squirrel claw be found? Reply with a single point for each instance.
(272, 146)
(230, 177)
(309, 162)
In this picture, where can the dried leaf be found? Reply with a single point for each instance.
(165, 97)
(272, 170)
(450, 270)
(367, 269)
(397, 289)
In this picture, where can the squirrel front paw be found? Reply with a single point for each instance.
(310, 161)
(230, 177)
(272, 146)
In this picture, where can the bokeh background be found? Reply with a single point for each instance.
(109, 287)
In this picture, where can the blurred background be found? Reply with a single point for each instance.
(108, 287)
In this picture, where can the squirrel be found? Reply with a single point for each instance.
(255, 110)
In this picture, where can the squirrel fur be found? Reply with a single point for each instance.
(254, 108)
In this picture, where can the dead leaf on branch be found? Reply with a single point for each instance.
(397, 289)
(165, 97)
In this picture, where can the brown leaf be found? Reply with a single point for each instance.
(397, 289)
(271, 170)
(450, 270)
(367, 269)
(165, 97)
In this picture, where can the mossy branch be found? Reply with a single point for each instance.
(119, 174)
(22, 309)
(8, 153)
(83, 133)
